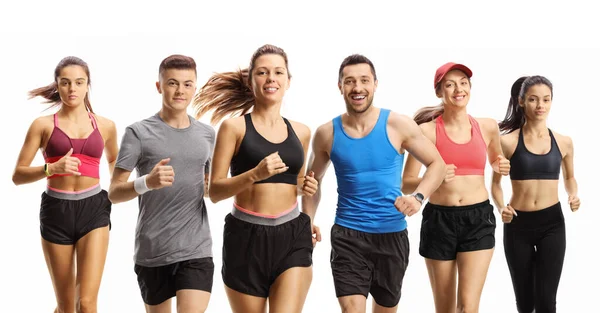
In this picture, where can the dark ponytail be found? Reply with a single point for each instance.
(515, 115)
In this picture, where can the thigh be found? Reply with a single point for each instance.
(390, 259)
(472, 272)
(60, 260)
(91, 257)
(477, 226)
(92, 213)
(164, 307)
(244, 303)
(520, 254)
(438, 238)
(157, 284)
(245, 268)
(549, 264)
(353, 304)
(192, 301)
(352, 271)
(442, 276)
(288, 292)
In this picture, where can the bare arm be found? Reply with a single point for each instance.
(24, 173)
(412, 168)
(496, 157)
(508, 146)
(121, 189)
(424, 152)
(318, 163)
(569, 174)
(111, 148)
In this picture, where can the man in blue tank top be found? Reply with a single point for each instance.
(369, 242)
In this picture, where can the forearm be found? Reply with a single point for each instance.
(224, 188)
(28, 174)
(121, 192)
(310, 204)
(571, 186)
(498, 195)
(432, 179)
(410, 184)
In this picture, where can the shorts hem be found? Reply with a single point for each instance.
(255, 294)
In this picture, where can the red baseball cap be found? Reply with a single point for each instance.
(444, 69)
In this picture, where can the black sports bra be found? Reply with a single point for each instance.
(525, 165)
(255, 147)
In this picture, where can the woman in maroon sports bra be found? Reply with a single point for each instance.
(458, 226)
(75, 211)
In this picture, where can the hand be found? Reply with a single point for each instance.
(66, 165)
(501, 165)
(407, 205)
(162, 175)
(269, 166)
(574, 203)
(316, 234)
(310, 185)
(450, 168)
(507, 214)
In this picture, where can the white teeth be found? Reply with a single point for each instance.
(358, 97)
(271, 89)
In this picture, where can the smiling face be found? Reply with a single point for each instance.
(177, 87)
(537, 102)
(455, 89)
(357, 86)
(72, 84)
(269, 79)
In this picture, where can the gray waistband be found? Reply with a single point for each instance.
(70, 195)
(267, 221)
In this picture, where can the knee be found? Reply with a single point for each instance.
(467, 308)
(86, 305)
(64, 307)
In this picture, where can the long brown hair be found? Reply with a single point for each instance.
(50, 92)
(430, 113)
(229, 93)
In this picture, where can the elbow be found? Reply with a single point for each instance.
(214, 197)
(406, 188)
(112, 197)
(17, 179)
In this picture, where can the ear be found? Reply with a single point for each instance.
(340, 88)
(158, 87)
(438, 94)
(289, 83)
(375, 88)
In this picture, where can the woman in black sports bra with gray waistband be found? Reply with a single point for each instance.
(267, 242)
(534, 229)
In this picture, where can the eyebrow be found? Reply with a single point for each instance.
(277, 68)
(64, 78)
(175, 80)
(362, 76)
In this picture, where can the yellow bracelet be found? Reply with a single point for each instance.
(47, 169)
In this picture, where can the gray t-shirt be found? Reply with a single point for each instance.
(172, 224)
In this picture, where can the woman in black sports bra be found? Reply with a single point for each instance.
(267, 241)
(534, 229)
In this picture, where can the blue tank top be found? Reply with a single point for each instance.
(369, 175)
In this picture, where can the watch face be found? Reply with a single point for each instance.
(419, 197)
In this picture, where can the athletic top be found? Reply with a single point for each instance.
(87, 150)
(254, 148)
(369, 176)
(525, 165)
(469, 158)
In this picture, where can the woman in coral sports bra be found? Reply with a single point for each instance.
(75, 211)
(534, 225)
(458, 226)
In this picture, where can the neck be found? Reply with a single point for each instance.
(268, 115)
(175, 119)
(364, 120)
(73, 114)
(455, 116)
(537, 128)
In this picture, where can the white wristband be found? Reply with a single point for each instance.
(139, 184)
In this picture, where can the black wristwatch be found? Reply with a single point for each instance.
(419, 196)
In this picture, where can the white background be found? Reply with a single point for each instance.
(124, 43)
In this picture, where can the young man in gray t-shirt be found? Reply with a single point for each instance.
(171, 152)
